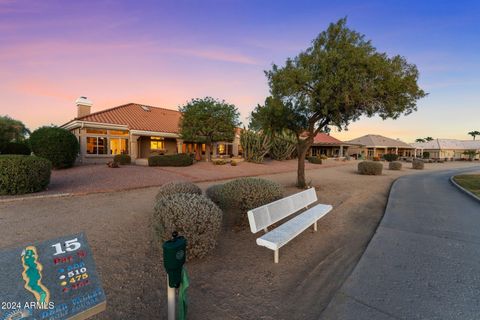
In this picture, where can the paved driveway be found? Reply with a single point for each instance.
(424, 260)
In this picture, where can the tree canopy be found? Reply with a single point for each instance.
(474, 134)
(208, 120)
(335, 81)
(12, 130)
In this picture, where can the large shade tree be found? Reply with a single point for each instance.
(338, 79)
(207, 121)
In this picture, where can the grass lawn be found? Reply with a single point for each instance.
(471, 182)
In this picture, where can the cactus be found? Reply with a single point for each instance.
(283, 146)
(255, 146)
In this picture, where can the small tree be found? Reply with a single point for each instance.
(208, 120)
(428, 139)
(11, 130)
(420, 140)
(474, 134)
(470, 153)
(338, 79)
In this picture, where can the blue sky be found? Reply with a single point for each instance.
(164, 53)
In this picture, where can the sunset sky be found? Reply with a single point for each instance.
(163, 53)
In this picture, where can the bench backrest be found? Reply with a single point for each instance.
(266, 215)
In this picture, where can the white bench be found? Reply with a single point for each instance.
(262, 217)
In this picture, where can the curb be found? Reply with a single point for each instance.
(57, 195)
(463, 189)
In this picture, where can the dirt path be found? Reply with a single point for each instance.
(239, 280)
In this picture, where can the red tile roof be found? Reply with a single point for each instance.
(138, 117)
(323, 138)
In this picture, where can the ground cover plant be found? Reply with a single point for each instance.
(21, 174)
(171, 160)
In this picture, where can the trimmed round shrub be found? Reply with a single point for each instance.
(175, 187)
(58, 145)
(390, 157)
(418, 164)
(16, 148)
(395, 165)
(193, 216)
(243, 194)
(21, 174)
(122, 159)
(214, 192)
(370, 168)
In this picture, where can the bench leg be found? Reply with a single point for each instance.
(275, 256)
(315, 226)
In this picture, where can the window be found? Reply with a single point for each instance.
(97, 145)
(157, 143)
(97, 131)
(118, 146)
(118, 132)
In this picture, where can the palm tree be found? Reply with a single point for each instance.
(428, 139)
(474, 134)
(420, 140)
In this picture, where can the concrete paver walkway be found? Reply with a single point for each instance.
(423, 261)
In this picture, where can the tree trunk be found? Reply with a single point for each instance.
(302, 149)
(208, 148)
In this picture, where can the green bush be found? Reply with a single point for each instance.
(58, 145)
(244, 194)
(122, 159)
(418, 164)
(16, 148)
(390, 157)
(21, 174)
(316, 160)
(214, 192)
(175, 187)
(193, 216)
(395, 165)
(171, 160)
(370, 168)
(426, 154)
(219, 162)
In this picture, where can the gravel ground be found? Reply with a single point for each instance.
(239, 279)
(99, 178)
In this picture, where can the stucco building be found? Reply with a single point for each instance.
(374, 145)
(134, 129)
(450, 149)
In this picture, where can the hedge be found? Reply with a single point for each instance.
(171, 160)
(58, 145)
(390, 157)
(122, 159)
(316, 160)
(16, 148)
(21, 174)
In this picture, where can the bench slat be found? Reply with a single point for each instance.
(266, 215)
(281, 235)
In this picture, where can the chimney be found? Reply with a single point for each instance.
(83, 106)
